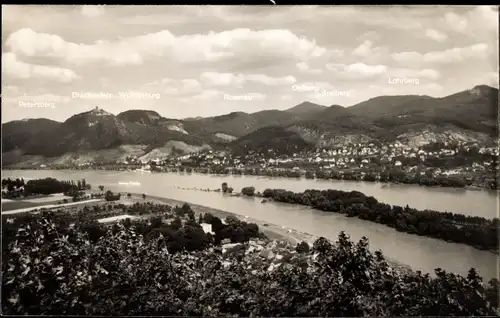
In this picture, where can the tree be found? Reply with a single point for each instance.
(309, 175)
(110, 196)
(176, 223)
(188, 211)
(302, 247)
(101, 188)
(160, 276)
(248, 191)
(144, 196)
(156, 222)
(129, 195)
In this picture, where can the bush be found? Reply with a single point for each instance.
(110, 196)
(176, 223)
(248, 191)
(302, 247)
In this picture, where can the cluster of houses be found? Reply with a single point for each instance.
(352, 156)
(368, 156)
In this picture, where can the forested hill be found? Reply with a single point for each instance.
(467, 115)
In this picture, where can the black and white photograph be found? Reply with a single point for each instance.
(250, 160)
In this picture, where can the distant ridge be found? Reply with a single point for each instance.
(467, 115)
(305, 107)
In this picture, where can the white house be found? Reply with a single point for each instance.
(207, 228)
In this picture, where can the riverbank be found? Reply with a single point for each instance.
(478, 232)
(272, 231)
(437, 181)
(36, 208)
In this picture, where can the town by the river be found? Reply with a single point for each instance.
(420, 253)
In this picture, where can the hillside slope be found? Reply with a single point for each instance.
(470, 115)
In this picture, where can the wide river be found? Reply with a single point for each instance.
(421, 253)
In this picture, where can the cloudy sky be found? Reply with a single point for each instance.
(187, 61)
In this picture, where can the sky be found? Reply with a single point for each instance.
(190, 61)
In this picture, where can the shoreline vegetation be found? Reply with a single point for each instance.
(478, 232)
(388, 178)
(161, 262)
(271, 230)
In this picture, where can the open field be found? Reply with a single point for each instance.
(46, 206)
(21, 204)
(24, 203)
(117, 218)
(50, 198)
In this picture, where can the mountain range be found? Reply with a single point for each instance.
(469, 115)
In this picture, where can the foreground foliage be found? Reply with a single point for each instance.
(51, 269)
(163, 219)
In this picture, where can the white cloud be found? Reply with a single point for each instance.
(222, 79)
(171, 86)
(12, 67)
(481, 18)
(271, 81)
(369, 53)
(30, 43)
(436, 35)
(428, 74)
(364, 49)
(191, 84)
(454, 55)
(363, 69)
(253, 49)
(230, 79)
(406, 89)
(92, 11)
(432, 87)
(46, 98)
(456, 22)
(486, 16)
(257, 96)
(490, 79)
(8, 90)
(207, 95)
(195, 48)
(357, 70)
(302, 66)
